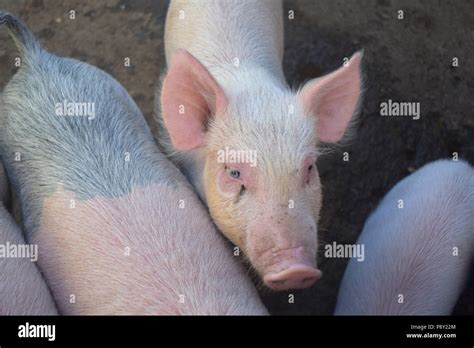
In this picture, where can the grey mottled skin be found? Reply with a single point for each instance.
(77, 152)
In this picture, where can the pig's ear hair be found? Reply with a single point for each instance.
(188, 97)
(334, 99)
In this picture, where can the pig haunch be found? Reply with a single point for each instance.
(225, 89)
(23, 290)
(417, 257)
(118, 227)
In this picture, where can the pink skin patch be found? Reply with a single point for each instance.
(139, 254)
(247, 177)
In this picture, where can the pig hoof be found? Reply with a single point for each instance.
(294, 277)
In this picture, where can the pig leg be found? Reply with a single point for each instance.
(23, 290)
(418, 246)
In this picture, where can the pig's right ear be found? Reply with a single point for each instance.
(188, 97)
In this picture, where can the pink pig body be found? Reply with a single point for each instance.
(417, 258)
(23, 290)
(141, 254)
(225, 91)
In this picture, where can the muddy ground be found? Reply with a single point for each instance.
(407, 59)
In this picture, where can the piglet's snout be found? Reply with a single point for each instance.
(293, 269)
(284, 253)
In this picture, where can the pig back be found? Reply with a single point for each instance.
(217, 32)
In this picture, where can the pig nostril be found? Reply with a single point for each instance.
(278, 282)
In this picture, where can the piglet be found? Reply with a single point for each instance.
(120, 228)
(23, 290)
(246, 140)
(419, 244)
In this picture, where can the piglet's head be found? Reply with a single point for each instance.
(259, 142)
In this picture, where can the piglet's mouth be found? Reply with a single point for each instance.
(296, 276)
(291, 269)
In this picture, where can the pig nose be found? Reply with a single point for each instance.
(296, 276)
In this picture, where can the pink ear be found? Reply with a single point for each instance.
(188, 96)
(333, 99)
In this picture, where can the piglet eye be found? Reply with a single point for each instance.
(234, 173)
(310, 168)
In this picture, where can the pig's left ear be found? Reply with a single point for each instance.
(333, 99)
(188, 97)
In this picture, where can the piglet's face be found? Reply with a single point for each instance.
(260, 150)
(273, 219)
(263, 190)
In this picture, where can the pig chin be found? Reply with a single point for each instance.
(284, 266)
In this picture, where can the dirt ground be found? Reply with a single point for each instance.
(407, 59)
